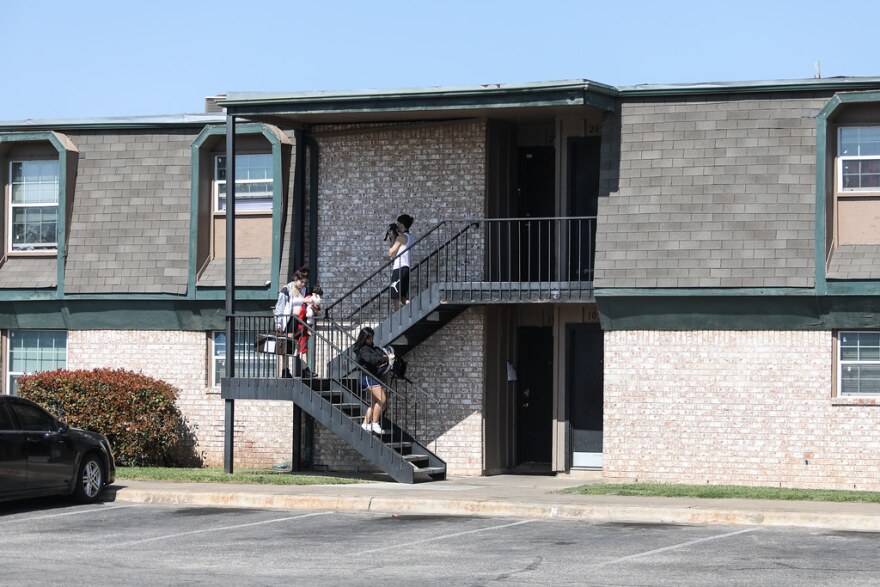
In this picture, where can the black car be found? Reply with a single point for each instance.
(41, 455)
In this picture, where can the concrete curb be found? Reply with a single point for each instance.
(595, 513)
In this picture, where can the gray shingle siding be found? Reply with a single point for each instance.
(855, 262)
(712, 191)
(129, 230)
(248, 272)
(29, 272)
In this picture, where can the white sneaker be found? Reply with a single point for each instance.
(376, 428)
(366, 427)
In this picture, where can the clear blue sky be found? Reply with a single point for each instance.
(64, 59)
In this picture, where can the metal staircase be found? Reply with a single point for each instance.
(457, 264)
(336, 401)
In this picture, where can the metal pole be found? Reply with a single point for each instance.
(228, 447)
(299, 223)
(299, 182)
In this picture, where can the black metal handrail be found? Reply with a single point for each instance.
(385, 269)
(329, 360)
(485, 260)
(344, 338)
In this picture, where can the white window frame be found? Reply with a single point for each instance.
(842, 364)
(263, 365)
(12, 206)
(241, 201)
(14, 375)
(841, 159)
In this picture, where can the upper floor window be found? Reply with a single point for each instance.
(859, 363)
(33, 205)
(859, 159)
(253, 182)
(34, 350)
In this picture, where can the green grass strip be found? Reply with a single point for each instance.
(723, 492)
(218, 475)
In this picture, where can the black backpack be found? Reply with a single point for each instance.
(397, 367)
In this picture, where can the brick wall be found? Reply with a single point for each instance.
(736, 408)
(262, 429)
(369, 176)
(450, 366)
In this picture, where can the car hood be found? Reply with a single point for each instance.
(87, 435)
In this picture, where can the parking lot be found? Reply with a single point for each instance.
(51, 541)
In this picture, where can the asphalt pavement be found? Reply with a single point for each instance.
(509, 496)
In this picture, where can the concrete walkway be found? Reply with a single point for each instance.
(514, 496)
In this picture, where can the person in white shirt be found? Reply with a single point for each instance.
(400, 252)
(289, 304)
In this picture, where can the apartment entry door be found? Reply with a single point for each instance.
(534, 407)
(536, 187)
(584, 372)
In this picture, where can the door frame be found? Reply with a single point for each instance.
(581, 460)
(545, 427)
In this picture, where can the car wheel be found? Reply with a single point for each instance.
(89, 480)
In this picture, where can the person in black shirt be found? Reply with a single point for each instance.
(371, 357)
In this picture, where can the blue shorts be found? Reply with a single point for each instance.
(368, 381)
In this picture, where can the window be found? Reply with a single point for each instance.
(859, 363)
(253, 182)
(5, 419)
(33, 215)
(31, 351)
(859, 160)
(33, 419)
(248, 363)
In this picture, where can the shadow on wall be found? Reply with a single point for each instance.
(186, 453)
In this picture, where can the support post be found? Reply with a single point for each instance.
(229, 421)
(296, 465)
(299, 184)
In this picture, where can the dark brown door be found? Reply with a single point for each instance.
(585, 365)
(536, 182)
(534, 395)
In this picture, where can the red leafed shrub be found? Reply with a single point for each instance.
(135, 412)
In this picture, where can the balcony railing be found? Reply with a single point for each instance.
(506, 260)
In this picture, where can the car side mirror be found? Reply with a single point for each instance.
(63, 427)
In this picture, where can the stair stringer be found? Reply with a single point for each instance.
(348, 429)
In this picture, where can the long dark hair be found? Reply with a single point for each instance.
(365, 333)
(302, 274)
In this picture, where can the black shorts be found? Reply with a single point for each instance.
(400, 283)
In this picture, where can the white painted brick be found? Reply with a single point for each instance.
(262, 429)
(734, 408)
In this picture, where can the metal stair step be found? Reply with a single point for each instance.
(416, 457)
(334, 397)
(350, 408)
(431, 470)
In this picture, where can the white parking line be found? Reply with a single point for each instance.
(155, 538)
(77, 512)
(673, 547)
(443, 537)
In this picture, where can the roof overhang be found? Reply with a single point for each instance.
(115, 123)
(492, 100)
(837, 84)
